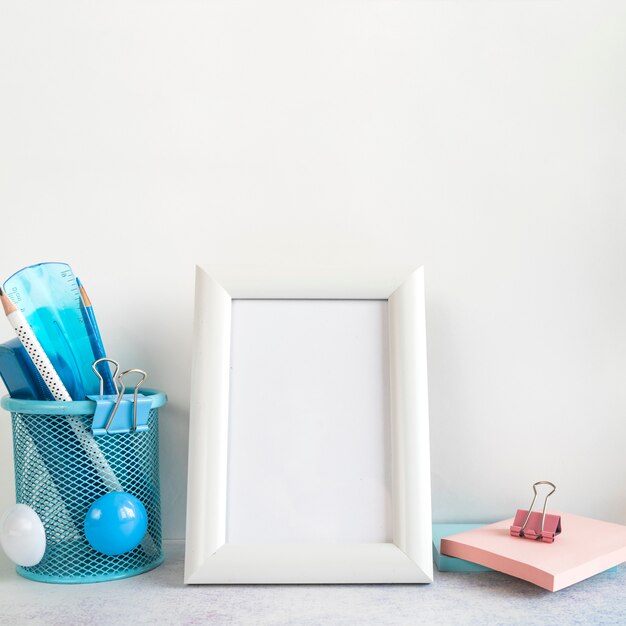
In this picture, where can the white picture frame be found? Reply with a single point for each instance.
(209, 558)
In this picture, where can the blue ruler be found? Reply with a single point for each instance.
(49, 298)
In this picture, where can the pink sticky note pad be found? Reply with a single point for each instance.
(584, 548)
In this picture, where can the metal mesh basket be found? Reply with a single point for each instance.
(61, 469)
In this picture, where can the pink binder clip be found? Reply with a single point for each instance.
(537, 525)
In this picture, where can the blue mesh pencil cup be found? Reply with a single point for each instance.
(61, 470)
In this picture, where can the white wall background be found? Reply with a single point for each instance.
(486, 140)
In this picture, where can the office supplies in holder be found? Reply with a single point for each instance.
(122, 412)
(534, 525)
(61, 470)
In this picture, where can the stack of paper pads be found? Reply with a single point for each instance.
(585, 547)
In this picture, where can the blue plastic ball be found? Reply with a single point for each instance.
(116, 523)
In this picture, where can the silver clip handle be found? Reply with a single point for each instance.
(545, 504)
(120, 394)
(141, 381)
(94, 367)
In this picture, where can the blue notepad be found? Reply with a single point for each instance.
(20, 375)
(449, 563)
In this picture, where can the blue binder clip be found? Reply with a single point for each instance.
(121, 413)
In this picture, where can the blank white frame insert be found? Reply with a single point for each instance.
(308, 455)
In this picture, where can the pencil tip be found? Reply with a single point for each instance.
(7, 304)
(78, 282)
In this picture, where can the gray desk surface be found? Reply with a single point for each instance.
(159, 597)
